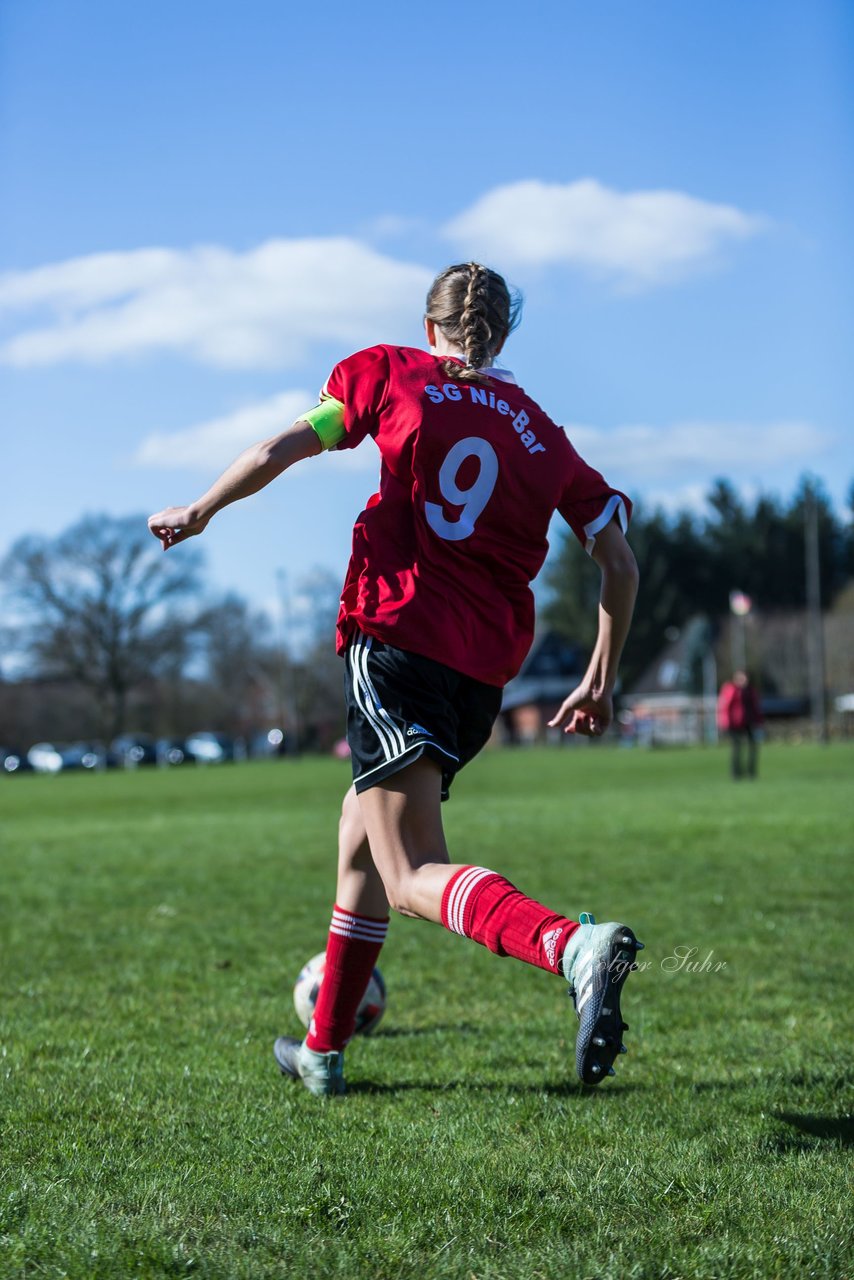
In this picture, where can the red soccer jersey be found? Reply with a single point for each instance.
(471, 474)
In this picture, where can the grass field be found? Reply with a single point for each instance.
(152, 926)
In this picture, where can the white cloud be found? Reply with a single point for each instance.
(673, 464)
(678, 498)
(211, 446)
(265, 307)
(641, 238)
(268, 306)
(389, 226)
(692, 453)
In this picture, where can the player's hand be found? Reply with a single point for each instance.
(176, 524)
(585, 712)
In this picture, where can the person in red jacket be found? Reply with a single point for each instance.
(437, 614)
(739, 716)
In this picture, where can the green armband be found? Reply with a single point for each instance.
(327, 418)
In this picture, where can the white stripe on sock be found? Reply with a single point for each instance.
(338, 913)
(460, 896)
(346, 925)
(464, 898)
(354, 931)
(367, 925)
(358, 934)
(459, 883)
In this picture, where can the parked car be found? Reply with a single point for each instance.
(262, 746)
(214, 748)
(13, 761)
(84, 755)
(170, 751)
(50, 757)
(130, 750)
(45, 757)
(204, 747)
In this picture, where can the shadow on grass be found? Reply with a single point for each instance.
(830, 1128)
(562, 1089)
(394, 1033)
(836, 1079)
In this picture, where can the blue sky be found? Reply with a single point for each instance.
(207, 204)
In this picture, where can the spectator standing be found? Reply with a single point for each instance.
(740, 717)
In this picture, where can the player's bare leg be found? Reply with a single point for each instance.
(360, 888)
(356, 935)
(403, 821)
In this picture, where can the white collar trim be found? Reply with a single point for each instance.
(491, 371)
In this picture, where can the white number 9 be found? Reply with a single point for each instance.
(472, 500)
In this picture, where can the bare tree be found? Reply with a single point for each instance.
(319, 695)
(102, 605)
(243, 668)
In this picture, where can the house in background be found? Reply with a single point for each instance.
(552, 668)
(674, 701)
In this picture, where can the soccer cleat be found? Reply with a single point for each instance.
(596, 963)
(321, 1073)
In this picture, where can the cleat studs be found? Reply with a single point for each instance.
(624, 1026)
(611, 1071)
(599, 1042)
(627, 941)
(623, 1049)
(596, 1069)
(640, 945)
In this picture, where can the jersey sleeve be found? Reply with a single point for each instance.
(589, 503)
(360, 384)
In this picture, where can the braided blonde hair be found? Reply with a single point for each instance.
(475, 310)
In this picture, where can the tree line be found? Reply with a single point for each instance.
(691, 562)
(107, 634)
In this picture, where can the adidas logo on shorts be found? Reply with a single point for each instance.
(415, 729)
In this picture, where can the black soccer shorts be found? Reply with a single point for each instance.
(401, 706)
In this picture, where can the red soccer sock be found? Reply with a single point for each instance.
(484, 906)
(351, 953)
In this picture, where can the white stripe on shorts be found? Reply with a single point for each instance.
(416, 746)
(363, 699)
(460, 896)
(393, 743)
(395, 732)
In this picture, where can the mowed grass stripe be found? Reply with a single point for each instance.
(152, 927)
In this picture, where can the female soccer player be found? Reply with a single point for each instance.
(436, 616)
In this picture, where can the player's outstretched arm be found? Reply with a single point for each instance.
(251, 471)
(589, 709)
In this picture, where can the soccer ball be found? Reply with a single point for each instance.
(370, 1011)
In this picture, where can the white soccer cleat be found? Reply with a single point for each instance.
(321, 1073)
(597, 960)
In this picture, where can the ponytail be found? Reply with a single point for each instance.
(474, 309)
